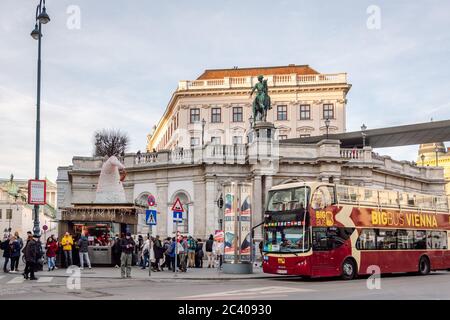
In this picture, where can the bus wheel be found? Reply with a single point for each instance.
(348, 269)
(424, 266)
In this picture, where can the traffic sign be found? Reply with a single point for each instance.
(44, 227)
(177, 216)
(150, 217)
(151, 200)
(177, 206)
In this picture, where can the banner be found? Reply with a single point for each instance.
(229, 223)
(245, 211)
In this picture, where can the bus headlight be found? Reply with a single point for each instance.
(266, 258)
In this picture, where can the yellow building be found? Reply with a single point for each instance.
(436, 154)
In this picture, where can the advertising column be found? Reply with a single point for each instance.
(237, 227)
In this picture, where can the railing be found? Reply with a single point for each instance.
(272, 81)
(352, 154)
(142, 158)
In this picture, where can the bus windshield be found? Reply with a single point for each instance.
(287, 199)
(286, 239)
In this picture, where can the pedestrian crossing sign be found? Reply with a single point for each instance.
(150, 217)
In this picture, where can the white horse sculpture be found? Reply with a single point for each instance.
(110, 188)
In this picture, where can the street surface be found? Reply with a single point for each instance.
(199, 284)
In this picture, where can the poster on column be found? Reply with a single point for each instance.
(245, 207)
(229, 223)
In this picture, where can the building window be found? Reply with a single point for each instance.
(305, 112)
(9, 214)
(0, 213)
(237, 139)
(282, 137)
(328, 111)
(215, 140)
(195, 141)
(282, 112)
(195, 115)
(237, 114)
(216, 115)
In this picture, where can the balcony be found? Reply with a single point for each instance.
(272, 81)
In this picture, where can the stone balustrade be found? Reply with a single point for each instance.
(272, 81)
(326, 150)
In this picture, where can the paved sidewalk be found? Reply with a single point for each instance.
(138, 273)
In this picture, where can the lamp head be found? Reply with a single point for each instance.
(363, 127)
(35, 33)
(327, 122)
(43, 17)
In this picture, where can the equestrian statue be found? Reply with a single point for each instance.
(261, 103)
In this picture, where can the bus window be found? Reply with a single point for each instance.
(366, 240)
(405, 239)
(323, 197)
(342, 194)
(420, 239)
(287, 199)
(368, 197)
(388, 198)
(330, 238)
(425, 202)
(436, 240)
(386, 239)
(441, 203)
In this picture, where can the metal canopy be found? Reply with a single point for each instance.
(428, 132)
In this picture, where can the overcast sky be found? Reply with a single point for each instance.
(119, 69)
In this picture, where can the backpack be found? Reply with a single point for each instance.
(192, 244)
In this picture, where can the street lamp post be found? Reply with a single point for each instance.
(363, 133)
(203, 131)
(327, 125)
(41, 18)
(422, 157)
(437, 158)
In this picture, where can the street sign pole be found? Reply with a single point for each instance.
(176, 247)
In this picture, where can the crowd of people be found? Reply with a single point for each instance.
(152, 252)
(157, 254)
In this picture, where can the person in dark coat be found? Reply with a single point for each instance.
(30, 251)
(6, 251)
(199, 254)
(116, 251)
(158, 249)
(14, 245)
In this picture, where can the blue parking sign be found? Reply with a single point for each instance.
(150, 217)
(177, 216)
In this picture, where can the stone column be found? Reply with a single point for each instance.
(161, 190)
(258, 213)
(200, 229)
(210, 207)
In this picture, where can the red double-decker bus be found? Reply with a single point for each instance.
(326, 230)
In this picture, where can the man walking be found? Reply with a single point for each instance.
(6, 252)
(126, 258)
(159, 251)
(30, 251)
(83, 244)
(209, 251)
(67, 243)
(20, 241)
(192, 245)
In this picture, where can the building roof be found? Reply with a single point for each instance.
(256, 71)
(419, 133)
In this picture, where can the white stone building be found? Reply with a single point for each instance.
(17, 214)
(302, 99)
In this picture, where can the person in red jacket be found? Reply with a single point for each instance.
(52, 248)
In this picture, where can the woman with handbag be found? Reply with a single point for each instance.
(145, 253)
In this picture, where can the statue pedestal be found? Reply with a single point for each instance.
(262, 131)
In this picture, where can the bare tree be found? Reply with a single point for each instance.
(110, 142)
